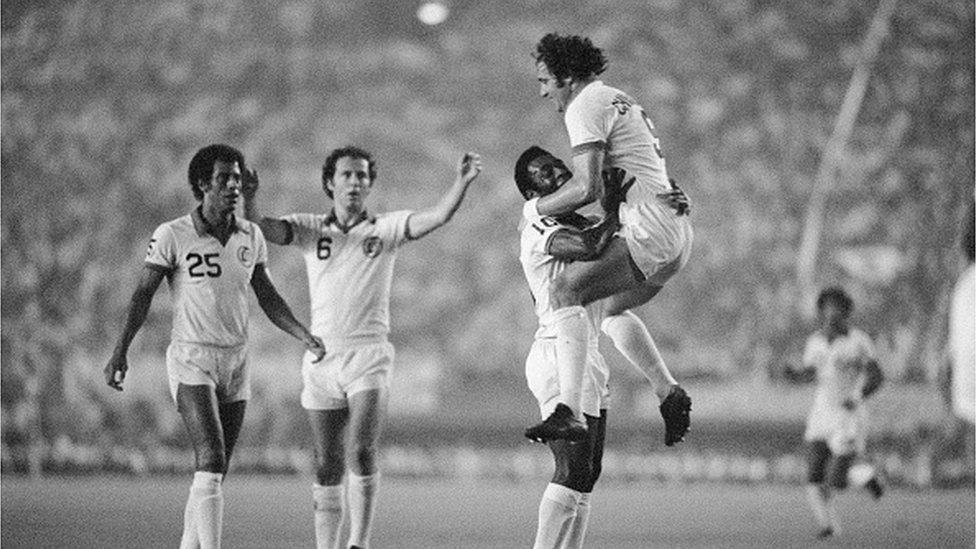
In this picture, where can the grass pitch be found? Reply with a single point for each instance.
(275, 512)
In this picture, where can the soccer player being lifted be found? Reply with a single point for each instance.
(847, 373)
(210, 258)
(548, 245)
(607, 129)
(349, 258)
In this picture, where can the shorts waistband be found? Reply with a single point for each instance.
(354, 341)
(220, 347)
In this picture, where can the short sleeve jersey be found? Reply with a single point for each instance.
(350, 273)
(605, 117)
(540, 269)
(209, 281)
(836, 364)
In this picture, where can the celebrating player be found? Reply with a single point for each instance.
(607, 129)
(847, 373)
(210, 258)
(548, 244)
(349, 256)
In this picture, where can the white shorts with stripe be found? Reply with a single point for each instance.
(223, 368)
(542, 377)
(348, 368)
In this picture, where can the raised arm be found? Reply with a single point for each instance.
(118, 365)
(280, 314)
(423, 222)
(275, 230)
(585, 186)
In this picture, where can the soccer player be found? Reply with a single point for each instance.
(349, 256)
(209, 257)
(547, 245)
(607, 129)
(847, 373)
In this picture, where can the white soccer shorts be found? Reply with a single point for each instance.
(844, 430)
(659, 241)
(345, 370)
(542, 378)
(223, 368)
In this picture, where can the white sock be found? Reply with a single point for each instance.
(577, 530)
(822, 508)
(362, 500)
(557, 511)
(190, 539)
(631, 338)
(209, 504)
(572, 330)
(329, 505)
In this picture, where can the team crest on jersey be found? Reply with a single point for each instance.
(372, 246)
(244, 255)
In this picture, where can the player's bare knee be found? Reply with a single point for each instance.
(211, 460)
(363, 459)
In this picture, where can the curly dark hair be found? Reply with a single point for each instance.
(328, 169)
(522, 178)
(202, 164)
(837, 296)
(570, 56)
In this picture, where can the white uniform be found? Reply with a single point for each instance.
(962, 345)
(658, 239)
(838, 379)
(349, 278)
(540, 269)
(210, 283)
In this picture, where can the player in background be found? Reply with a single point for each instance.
(209, 258)
(847, 373)
(607, 129)
(958, 374)
(349, 258)
(547, 245)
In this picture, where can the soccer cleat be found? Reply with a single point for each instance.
(560, 425)
(676, 411)
(874, 486)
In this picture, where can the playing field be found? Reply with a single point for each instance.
(272, 512)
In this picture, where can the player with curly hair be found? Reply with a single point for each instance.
(607, 129)
(548, 245)
(847, 373)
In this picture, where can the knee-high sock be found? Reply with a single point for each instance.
(207, 501)
(557, 511)
(631, 338)
(577, 531)
(822, 507)
(572, 331)
(362, 503)
(190, 539)
(329, 505)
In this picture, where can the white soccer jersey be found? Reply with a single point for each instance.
(610, 119)
(350, 273)
(838, 379)
(540, 269)
(962, 319)
(209, 281)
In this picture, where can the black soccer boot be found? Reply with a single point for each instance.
(560, 425)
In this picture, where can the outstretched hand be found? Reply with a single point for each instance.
(249, 183)
(615, 187)
(469, 167)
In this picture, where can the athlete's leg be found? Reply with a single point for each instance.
(818, 491)
(231, 420)
(203, 516)
(579, 283)
(366, 412)
(560, 500)
(596, 429)
(328, 429)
